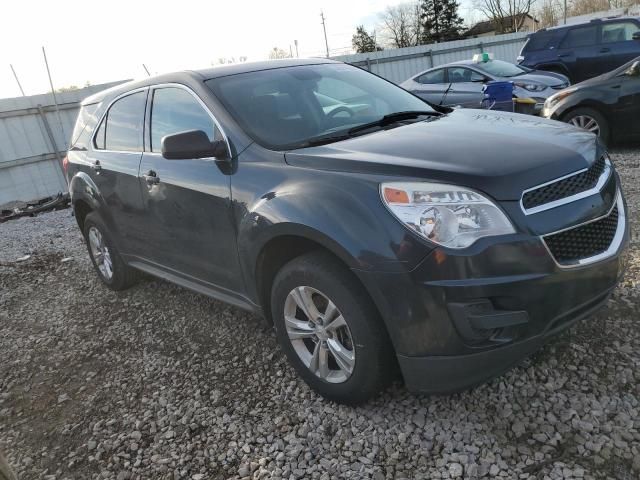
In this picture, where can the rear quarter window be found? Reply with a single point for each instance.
(85, 123)
(538, 41)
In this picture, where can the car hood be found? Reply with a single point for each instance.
(549, 79)
(499, 153)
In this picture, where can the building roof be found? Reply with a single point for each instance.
(491, 25)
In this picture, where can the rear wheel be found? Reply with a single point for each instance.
(591, 120)
(106, 259)
(330, 330)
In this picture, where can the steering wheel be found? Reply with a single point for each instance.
(340, 109)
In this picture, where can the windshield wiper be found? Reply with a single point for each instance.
(392, 118)
(352, 132)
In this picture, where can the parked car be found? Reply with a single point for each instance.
(461, 83)
(608, 105)
(585, 50)
(404, 235)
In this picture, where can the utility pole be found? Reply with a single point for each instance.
(290, 51)
(326, 44)
(55, 100)
(17, 81)
(565, 12)
(295, 42)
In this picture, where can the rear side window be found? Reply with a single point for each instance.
(618, 32)
(435, 76)
(176, 110)
(85, 123)
(121, 128)
(581, 37)
(538, 41)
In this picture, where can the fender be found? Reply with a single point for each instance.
(365, 236)
(554, 66)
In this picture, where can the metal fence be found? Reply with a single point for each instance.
(33, 141)
(399, 64)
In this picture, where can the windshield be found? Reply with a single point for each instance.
(282, 108)
(499, 68)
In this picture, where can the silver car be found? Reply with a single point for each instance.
(460, 83)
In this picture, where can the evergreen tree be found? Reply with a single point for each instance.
(363, 42)
(440, 21)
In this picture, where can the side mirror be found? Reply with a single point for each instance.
(636, 35)
(192, 144)
(633, 70)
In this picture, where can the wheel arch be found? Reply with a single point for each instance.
(286, 242)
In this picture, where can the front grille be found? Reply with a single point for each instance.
(584, 241)
(566, 187)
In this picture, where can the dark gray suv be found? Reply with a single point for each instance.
(373, 230)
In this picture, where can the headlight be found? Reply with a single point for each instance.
(554, 99)
(532, 87)
(451, 216)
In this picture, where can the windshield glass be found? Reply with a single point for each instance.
(499, 68)
(282, 108)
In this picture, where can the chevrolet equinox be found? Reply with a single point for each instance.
(377, 233)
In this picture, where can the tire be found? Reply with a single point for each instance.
(585, 115)
(346, 363)
(106, 259)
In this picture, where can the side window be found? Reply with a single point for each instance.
(435, 76)
(618, 32)
(175, 110)
(581, 37)
(463, 75)
(121, 127)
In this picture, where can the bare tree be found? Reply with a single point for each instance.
(507, 15)
(401, 25)
(550, 13)
(277, 53)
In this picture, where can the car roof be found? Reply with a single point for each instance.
(587, 22)
(204, 74)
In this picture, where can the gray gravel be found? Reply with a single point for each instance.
(158, 382)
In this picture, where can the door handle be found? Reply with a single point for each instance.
(151, 178)
(605, 50)
(562, 55)
(96, 167)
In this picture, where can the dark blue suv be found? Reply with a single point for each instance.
(584, 50)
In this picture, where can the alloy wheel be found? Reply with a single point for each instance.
(100, 253)
(587, 123)
(319, 334)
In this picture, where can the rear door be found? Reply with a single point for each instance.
(431, 85)
(466, 87)
(112, 163)
(581, 53)
(187, 202)
(617, 41)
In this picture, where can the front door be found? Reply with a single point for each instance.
(466, 88)
(187, 202)
(617, 40)
(627, 110)
(113, 159)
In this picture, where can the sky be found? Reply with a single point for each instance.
(101, 41)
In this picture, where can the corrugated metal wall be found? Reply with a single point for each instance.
(399, 64)
(29, 168)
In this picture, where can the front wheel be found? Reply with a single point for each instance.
(590, 120)
(329, 329)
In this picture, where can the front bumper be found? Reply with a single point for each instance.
(462, 317)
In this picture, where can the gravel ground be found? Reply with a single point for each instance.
(157, 382)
